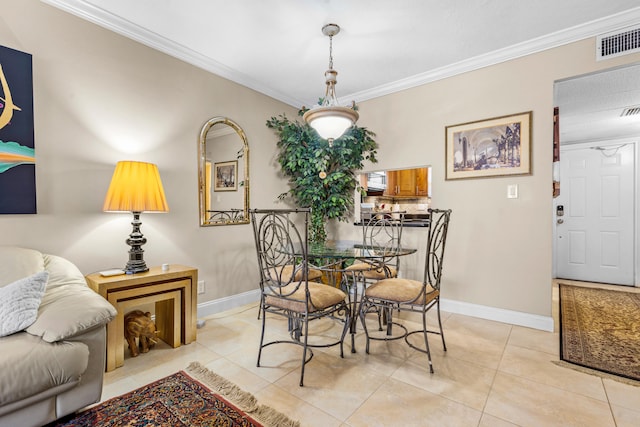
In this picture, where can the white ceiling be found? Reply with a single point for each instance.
(591, 105)
(276, 46)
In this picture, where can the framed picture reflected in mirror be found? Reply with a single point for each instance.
(225, 176)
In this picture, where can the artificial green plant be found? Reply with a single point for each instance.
(321, 177)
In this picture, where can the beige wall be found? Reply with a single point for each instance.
(100, 98)
(499, 251)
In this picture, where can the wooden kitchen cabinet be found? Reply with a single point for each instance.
(422, 182)
(407, 183)
(392, 183)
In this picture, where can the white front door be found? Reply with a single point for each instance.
(595, 227)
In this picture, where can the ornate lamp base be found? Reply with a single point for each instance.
(136, 262)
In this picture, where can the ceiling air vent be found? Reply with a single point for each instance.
(618, 43)
(630, 111)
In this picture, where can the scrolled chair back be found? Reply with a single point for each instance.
(383, 233)
(438, 228)
(281, 250)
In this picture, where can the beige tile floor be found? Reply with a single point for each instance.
(493, 374)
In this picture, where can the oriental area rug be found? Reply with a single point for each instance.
(600, 329)
(194, 397)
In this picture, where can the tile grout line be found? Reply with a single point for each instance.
(504, 349)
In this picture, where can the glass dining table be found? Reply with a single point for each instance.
(353, 250)
(332, 257)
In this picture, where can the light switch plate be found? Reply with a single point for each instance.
(512, 191)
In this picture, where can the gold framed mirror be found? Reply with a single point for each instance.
(223, 173)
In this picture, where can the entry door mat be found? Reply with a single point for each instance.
(600, 329)
(194, 397)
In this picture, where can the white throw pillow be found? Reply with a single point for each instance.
(19, 302)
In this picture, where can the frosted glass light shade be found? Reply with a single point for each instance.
(135, 187)
(331, 122)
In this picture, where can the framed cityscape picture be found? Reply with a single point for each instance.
(488, 148)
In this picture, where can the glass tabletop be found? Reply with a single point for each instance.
(352, 249)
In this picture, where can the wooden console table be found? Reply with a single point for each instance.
(174, 293)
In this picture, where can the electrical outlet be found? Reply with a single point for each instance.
(201, 286)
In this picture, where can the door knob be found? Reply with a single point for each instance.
(560, 220)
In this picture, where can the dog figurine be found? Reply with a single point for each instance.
(139, 325)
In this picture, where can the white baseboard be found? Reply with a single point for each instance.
(227, 303)
(519, 318)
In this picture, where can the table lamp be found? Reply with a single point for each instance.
(135, 187)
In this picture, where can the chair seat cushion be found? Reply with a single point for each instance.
(401, 291)
(320, 297)
(372, 271)
(284, 273)
(314, 274)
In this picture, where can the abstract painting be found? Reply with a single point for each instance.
(17, 148)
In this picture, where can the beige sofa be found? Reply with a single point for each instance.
(55, 366)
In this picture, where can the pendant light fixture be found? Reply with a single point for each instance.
(329, 119)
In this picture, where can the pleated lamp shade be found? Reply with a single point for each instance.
(135, 187)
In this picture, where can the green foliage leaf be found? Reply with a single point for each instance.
(303, 155)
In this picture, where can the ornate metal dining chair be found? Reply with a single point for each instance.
(284, 281)
(382, 233)
(392, 294)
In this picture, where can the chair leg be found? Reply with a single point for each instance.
(440, 325)
(362, 311)
(347, 327)
(264, 320)
(388, 314)
(426, 339)
(304, 351)
(382, 319)
(352, 307)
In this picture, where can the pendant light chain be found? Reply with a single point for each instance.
(330, 92)
(331, 52)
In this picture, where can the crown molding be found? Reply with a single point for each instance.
(126, 28)
(559, 38)
(151, 39)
